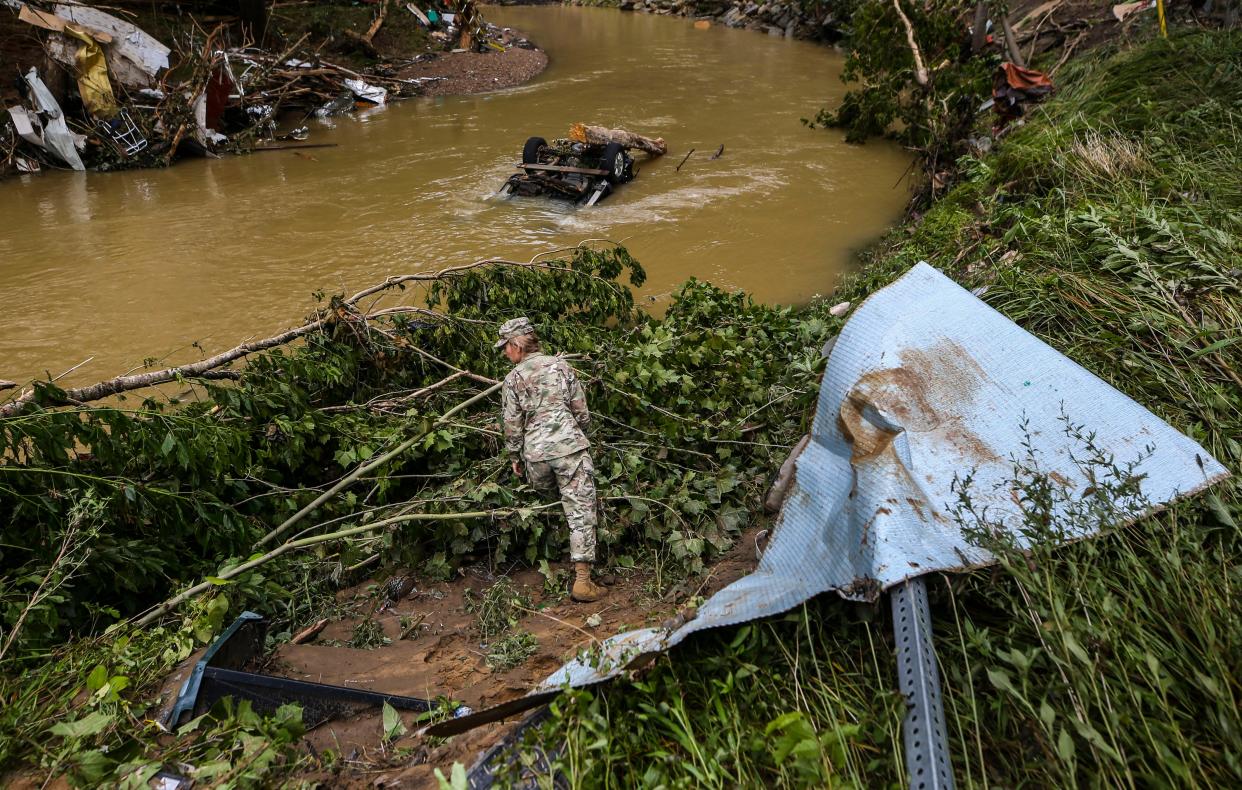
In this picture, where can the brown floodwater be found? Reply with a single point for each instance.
(122, 267)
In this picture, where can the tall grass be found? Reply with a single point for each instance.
(1110, 226)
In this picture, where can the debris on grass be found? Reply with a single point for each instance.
(510, 650)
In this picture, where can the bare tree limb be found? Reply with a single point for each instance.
(121, 384)
(1011, 44)
(920, 70)
(979, 34)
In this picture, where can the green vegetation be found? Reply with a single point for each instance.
(111, 508)
(886, 96)
(1110, 226)
(510, 650)
(498, 609)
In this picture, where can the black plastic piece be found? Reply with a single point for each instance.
(220, 673)
(482, 775)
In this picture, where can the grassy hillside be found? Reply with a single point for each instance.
(1110, 226)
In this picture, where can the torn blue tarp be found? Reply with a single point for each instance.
(924, 385)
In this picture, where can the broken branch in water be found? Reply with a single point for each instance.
(683, 161)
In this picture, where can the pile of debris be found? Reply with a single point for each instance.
(108, 95)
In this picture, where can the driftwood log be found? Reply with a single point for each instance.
(599, 135)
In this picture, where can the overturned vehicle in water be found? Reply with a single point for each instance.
(584, 167)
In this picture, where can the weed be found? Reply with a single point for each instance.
(1103, 663)
(368, 635)
(510, 650)
(498, 609)
(555, 582)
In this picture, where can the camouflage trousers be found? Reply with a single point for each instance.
(574, 476)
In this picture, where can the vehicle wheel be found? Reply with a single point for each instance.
(530, 152)
(613, 161)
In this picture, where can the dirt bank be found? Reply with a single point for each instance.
(477, 72)
(209, 84)
(445, 656)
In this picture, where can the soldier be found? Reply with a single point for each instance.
(545, 418)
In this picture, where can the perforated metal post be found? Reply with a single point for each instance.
(923, 730)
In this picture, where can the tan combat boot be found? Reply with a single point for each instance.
(585, 590)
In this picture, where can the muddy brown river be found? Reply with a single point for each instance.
(121, 267)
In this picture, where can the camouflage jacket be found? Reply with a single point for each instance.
(544, 411)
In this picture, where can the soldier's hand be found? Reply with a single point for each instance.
(517, 469)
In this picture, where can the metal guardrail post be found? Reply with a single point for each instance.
(926, 745)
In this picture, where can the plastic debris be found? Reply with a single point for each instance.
(27, 125)
(56, 136)
(92, 75)
(367, 92)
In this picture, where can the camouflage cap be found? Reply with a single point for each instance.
(514, 327)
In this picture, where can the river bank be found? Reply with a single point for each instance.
(1107, 225)
(1090, 229)
(192, 82)
(212, 251)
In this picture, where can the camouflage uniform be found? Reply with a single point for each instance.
(545, 418)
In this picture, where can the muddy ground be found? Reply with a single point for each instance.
(445, 656)
(478, 72)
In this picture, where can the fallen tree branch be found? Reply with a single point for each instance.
(920, 70)
(370, 465)
(121, 384)
(1011, 43)
(367, 38)
(180, 598)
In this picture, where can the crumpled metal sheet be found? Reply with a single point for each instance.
(925, 383)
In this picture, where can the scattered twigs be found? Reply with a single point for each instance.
(73, 552)
(920, 70)
(1069, 50)
(683, 161)
(412, 627)
(260, 148)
